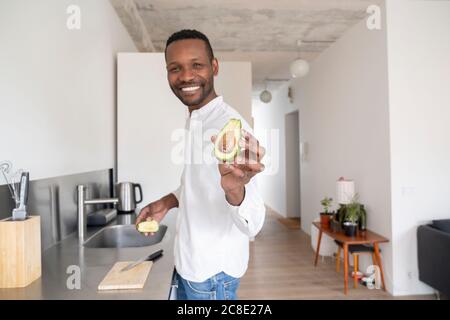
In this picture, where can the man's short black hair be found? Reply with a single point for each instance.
(190, 34)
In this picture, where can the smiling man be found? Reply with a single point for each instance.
(219, 204)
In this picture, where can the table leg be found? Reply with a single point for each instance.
(345, 268)
(355, 270)
(379, 263)
(318, 247)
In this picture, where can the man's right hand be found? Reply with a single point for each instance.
(157, 210)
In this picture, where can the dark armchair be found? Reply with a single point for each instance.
(433, 244)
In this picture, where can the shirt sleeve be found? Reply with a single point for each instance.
(177, 191)
(250, 214)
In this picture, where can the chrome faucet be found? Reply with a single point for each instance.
(82, 217)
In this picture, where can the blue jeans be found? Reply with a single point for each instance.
(219, 287)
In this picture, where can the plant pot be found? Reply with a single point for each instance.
(325, 219)
(350, 229)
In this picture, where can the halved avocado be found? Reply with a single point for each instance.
(226, 146)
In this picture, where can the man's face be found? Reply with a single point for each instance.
(190, 71)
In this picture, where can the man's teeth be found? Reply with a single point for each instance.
(187, 89)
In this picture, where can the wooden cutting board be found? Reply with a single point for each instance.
(132, 279)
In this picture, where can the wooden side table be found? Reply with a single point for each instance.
(365, 237)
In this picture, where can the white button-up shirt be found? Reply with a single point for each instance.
(211, 235)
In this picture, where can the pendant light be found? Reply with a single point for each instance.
(299, 67)
(265, 95)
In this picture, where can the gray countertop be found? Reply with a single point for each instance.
(94, 264)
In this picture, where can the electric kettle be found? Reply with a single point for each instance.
(126, 193)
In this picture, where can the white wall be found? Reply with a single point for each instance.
(57, 87)
(238, 96)
(419, 82)
(151, 119)
(269, 127)
(344, 119)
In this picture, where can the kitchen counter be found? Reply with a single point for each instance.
(94, 264)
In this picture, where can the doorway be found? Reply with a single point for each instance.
(292, 139)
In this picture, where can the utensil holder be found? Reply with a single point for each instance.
(20, 252)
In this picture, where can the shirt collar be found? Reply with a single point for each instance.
(207, 108)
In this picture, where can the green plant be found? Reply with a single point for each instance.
(363, 218)
(341, 212)
(326, 203)
(354, 212)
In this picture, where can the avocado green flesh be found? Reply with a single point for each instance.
(226, 146)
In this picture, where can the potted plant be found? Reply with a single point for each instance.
(325, 215)
(351, 219)
(341, 213)
(357, 215)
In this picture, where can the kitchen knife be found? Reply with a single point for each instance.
(20, 213)
(153, 257)
(24, 185)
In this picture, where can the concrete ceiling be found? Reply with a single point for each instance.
(264, 32)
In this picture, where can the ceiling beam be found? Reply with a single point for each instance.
(132, 20)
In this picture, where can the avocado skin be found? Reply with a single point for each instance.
(235, 126)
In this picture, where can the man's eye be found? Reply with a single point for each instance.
(197, 65)
(174, 69)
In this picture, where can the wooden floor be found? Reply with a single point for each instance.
(281, 267)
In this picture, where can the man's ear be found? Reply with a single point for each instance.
(215, 66)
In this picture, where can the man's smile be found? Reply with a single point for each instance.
(190, 89)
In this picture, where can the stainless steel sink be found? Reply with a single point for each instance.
(124, 236)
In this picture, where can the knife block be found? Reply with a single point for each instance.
(20, 252)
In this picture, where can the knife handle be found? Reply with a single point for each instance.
(24, 186)
(155, 255)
